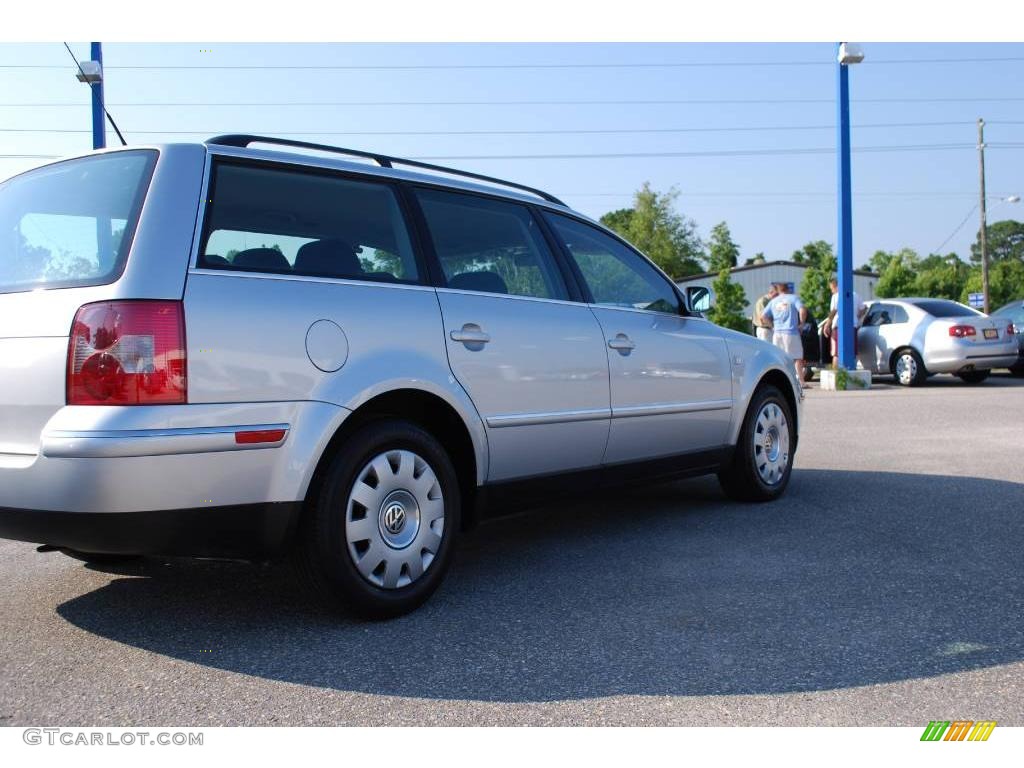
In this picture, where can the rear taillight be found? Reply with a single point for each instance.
(127, 353)
(962, 330)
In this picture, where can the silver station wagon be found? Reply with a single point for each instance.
(228, 350)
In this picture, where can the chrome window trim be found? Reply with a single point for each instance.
(516, 296)
(308, 278)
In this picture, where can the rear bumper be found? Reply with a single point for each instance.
(249, 531)
(959, 356)
(140, 459)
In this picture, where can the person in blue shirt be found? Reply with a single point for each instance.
(785, 313)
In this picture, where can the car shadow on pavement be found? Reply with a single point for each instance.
(853, 578)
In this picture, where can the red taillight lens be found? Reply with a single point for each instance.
(962, 330)
(127, 353)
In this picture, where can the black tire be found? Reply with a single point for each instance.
(740, 479)
(326, 557)
(973, 377)
(916, 372)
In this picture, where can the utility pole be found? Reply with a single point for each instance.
(982, 234)
(99, 129)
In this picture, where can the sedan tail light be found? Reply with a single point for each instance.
(127, 353)
(962, 330)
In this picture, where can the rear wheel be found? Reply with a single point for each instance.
(762, 459)
(909, 368)
(379, 534)
(973, 377)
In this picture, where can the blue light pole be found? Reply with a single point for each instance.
(99, 129)
(848, 54)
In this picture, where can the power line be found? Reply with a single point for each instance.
(543, 132)
(521, 66)
(710, 153)
(529, 102)
(958, 228)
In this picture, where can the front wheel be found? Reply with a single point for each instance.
(973, 377)
(379, 534)
(763, 457)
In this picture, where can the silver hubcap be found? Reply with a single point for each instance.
(771, 443)
(394, 519)
(906, 368)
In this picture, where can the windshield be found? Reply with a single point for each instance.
(945, 308)
(71, 224)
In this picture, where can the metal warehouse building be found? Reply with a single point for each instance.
(755, 279)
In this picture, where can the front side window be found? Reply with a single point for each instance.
(616, 275)
(290, 222)
(70, 224)
(490, 245)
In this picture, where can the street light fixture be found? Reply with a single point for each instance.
(848, 54)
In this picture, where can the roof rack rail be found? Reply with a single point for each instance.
(385, 161)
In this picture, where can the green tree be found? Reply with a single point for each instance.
(899, 277)
(757, 258)
(1005, 283)
(941, 277)
(1003, 240)
(723, 253)
(814, 253)
(821, 265)
(730, 303)
(653, 225)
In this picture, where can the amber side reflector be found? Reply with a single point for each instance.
(260, 436)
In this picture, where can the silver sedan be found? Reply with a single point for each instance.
(915, 338)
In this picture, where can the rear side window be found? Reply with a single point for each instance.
(490, 245)
(71, 224)
(945, 308)
(292, 222)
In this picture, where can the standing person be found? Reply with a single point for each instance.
(832, 324)
(762, 330)
(786, 313)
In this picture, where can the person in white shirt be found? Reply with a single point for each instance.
(859, 310)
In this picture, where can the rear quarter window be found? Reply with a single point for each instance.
(945, 308)
(289, 221)
(71, 224)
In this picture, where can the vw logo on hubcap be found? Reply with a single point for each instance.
(394, 518)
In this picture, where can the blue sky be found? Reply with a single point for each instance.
(774, 97)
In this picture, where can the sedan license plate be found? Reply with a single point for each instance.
(991, 333)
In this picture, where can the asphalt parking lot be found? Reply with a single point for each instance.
(885, 589)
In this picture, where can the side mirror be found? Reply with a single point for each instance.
(699, 299)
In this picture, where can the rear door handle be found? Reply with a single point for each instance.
(469, 334)
(622, 343)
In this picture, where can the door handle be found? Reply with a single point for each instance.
(622, 343)
(470, 334)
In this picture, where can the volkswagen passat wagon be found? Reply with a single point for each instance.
(227, 350)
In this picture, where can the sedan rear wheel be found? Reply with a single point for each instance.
(909, 368)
